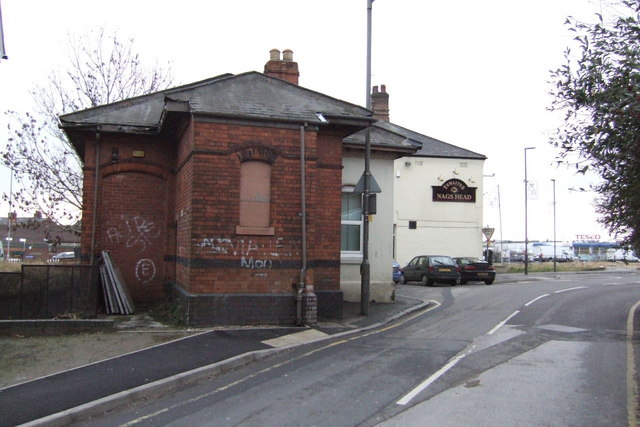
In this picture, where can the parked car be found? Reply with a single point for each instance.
(397, 275)
(475, 270)
(62, 256)
(430, 269)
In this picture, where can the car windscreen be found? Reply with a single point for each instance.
(441, 260)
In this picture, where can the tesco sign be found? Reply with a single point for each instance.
(587, 237)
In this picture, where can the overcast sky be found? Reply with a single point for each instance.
(471, 73)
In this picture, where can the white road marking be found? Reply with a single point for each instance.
(535, 299)
(413, 393)
(499, 325)
(569, 289)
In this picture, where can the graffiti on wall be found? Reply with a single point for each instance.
(136, 233)
(145, 270)
(253, 254)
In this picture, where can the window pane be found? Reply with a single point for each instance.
(351, 207)
(350, 238)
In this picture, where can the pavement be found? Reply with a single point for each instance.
(55, 400)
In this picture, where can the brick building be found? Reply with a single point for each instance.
(36, 238)
(196, 192)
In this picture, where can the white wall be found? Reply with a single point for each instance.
(382, 287)
(443, 228)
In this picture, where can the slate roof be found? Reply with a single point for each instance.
(382, 139)
(251, 95)
(255, 96)
(384, 133)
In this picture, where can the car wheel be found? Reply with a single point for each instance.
(427, 281)
(457, 281)
(403, 280)
(488, 282)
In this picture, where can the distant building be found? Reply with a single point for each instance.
(35, 238)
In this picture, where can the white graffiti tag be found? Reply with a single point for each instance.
(253, 254)
(136, 232)
(145, 270)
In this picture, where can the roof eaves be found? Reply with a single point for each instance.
(112, 128)
(451, 156)
(335, 120)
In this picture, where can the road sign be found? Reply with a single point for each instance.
(488, 232)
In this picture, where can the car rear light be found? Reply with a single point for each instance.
(490, 267)
(469, 267)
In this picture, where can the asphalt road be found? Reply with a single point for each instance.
(551, 352)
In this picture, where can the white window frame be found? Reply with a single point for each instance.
(351, 255)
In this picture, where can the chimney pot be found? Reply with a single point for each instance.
(285, 69)
(274, 55)
(380, 103)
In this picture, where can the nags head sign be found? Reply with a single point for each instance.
(454, 190)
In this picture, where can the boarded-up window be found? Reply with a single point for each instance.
(255, 198)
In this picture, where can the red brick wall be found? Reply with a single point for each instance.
(325, 232)
(226, 262)
(133, 220)
(171, 216)
(183, 208)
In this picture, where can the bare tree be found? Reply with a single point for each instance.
(48, 172)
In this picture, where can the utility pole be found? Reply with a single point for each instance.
(526, 197)
(365, 268)
(554, 224)
(7, 256)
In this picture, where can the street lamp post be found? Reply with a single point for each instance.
(526, 197)
(554, 224)
(365, 268)
(7, 257)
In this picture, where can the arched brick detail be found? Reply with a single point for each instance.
(131, 167)
(257, 152)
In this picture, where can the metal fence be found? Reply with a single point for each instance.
(48, 291)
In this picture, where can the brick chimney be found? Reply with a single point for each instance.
(284, 68)
(380, 103)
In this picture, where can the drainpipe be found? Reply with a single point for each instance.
(95, 200)
(303, 217)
